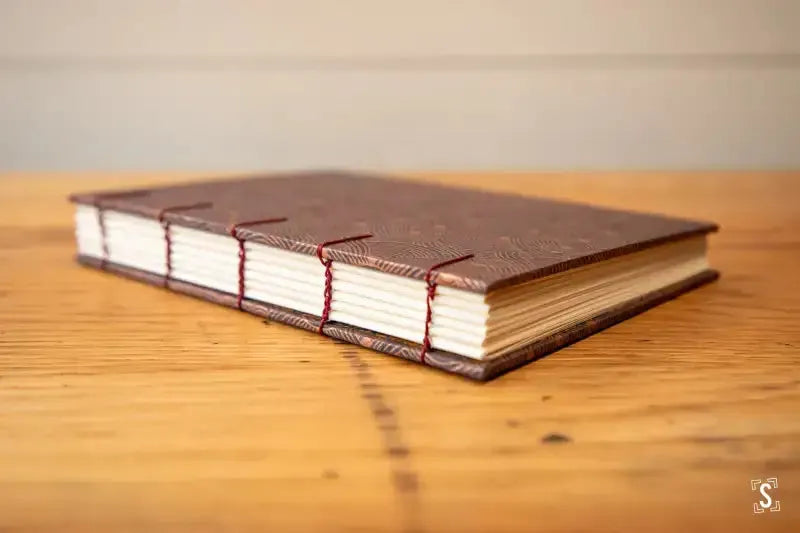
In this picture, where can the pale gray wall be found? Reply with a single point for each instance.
(414, 84)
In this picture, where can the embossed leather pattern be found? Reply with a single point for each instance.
(413, 225)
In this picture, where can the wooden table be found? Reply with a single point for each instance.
(124, 407)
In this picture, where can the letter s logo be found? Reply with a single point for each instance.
(763, 489)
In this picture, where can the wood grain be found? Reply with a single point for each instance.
(124, 407)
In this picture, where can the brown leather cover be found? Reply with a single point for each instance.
(414, 226)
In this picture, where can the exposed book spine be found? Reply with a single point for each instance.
(325, 260)
(449, 362)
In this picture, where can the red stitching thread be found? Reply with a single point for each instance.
(328, 294)
(101, 218)
(426, 340)
(232, 230)
(168, 234)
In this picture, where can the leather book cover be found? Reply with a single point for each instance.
(412, 226)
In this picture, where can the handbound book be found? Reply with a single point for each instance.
(466, 281)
